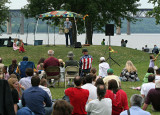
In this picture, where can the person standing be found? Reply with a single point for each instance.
(85, 63)
(68, 31)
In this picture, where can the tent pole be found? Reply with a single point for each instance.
(48, 32)
(54, 35)
(35, 30)
(76, 27)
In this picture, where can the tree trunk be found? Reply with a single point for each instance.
(74, 33)
(89, 32)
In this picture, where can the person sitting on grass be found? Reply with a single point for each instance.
(62, 105)
(118, 97)
(6, 74)
(15, 47)
(149, 72)
(157, 77)
(26, 81)
(147, 86)
(35, 97)
(21, 47)
(153, 98)
(136, 103)
(111, 76)
(129, 73)
(102, 105)
(43, 85)
(78, 97)
(103, 42)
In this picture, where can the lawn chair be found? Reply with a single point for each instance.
(70, 73)
(51, 69)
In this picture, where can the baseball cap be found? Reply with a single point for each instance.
(110, 71)
(102, 59)
(84, 50)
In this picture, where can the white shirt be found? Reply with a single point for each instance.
(26, 82)
(92, 90)
(157, 77)
(103, 107)
(47, 90)
(146, 87)
(103, 67)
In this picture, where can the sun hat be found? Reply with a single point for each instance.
(70, 54)
(110, 71)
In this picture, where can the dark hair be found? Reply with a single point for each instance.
(103, 39)
(5, 68)
(62, 107)
(112, 85)
(151, 56)
(93, 70)
(43, 82)
(77, 80)
(14, 65)
(122, 40)
(99, 82)
(150, 70)
(35, 81)
(29, 72)
(158, 71)
(126, 41)
(41, 60)
(93, 76)
(89, 78)
(101, 91)
(151, 78)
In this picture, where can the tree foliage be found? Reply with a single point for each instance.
(100, 12)
(156, 10)
(4, 13)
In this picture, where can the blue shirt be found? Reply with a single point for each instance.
(34, 97)
(135, 110)
(67, 24)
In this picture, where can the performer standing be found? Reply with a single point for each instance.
(68, 31)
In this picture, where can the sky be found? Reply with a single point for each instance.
(18, 4)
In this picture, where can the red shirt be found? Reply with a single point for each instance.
(78, 98)
(51, 61)
(119, 101)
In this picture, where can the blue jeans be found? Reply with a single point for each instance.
(48, 110)
(70, 36)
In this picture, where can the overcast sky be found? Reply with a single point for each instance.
(18, 4)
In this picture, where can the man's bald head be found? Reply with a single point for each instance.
(50, 52)
(67, 19)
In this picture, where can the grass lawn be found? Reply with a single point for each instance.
(139, 58)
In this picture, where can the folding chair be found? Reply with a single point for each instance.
(52, 69)
(70, 73)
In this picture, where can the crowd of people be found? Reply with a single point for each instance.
(90, 93)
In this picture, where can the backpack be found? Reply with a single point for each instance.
(23, 66)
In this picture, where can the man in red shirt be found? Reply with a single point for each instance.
(78, 97)
(51, 61)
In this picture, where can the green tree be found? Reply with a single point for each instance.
(156, 10)
(4, 13)
(100, 12)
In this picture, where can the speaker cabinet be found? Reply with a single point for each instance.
(109, 30)
(78, 45)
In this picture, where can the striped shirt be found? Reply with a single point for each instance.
(85, 62)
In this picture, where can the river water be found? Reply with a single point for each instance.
(134, 40)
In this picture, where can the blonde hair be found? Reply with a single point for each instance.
(130, 67)
(11, 81)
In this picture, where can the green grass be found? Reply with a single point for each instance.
(139, 58)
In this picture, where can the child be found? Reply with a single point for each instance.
(103, 42)
(152, 60)
(21, 48)
(15, 47)
(62, 68)
(6, 74)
